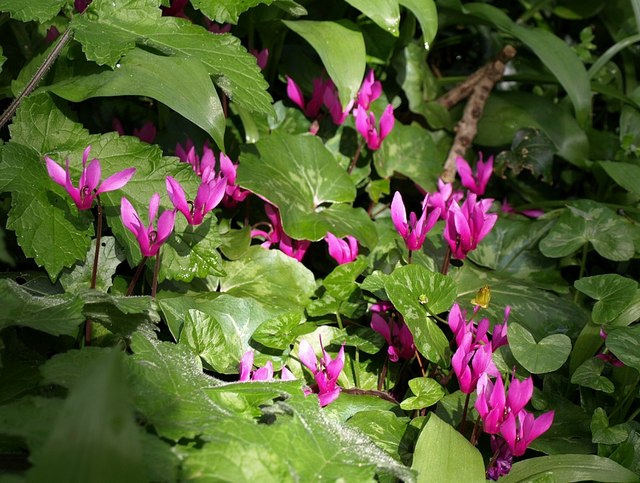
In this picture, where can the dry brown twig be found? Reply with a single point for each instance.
(477, 87)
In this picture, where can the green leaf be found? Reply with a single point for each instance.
(270, 277)
(98, 404)
(409, 150)
(613, 293)
(439, 452)
(505, 113)
(340, 46)
(119, 314)
(589, 374)
(109, 29)
(626, 175)
(385, 13)
(547, 355)
(168, 389)
(605, 434)
(109, 258)
(140, 73)
(53, 314)
(282, 331)
(532, 150)
(341, 282)
(624, 342)
(426, 392)
(227, 11)
(39, 10)
(569, 468)
(412, 289)
(427, 16)
(303, 179)
(587, 221)
(387, 431)
(554, 53)
(67, 368)
(49, 227)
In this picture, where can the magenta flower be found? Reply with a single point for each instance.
(217, 28)
(234, 194)
(507, 208)
(444, 197)
(466, 226)
(293, 248)
(461, 327)
(369, 129)
(312, 109)
(262, 57)
(369, 91)
(477, 183)
(325, 371)
(52, 34)
(203, 166)
(147, 133)
(176, 9)
(499, 335)
(331, 100)
(490, 403)
(414, 232)
(340, 250)
(148, 237)
(89, 186)
(81, 5)
(397, 335)
(520, 429)
(264, 373)
(606, 355)
(209, 196)
(500, 463)
(469, 363)
(382, 306)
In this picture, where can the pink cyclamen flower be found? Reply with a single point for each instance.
(234, 194)
(369, 91)
(147, 133)
(208, 197)
(340, 250)
(466, 226)
(293, 248)
(332, 101)
(52, 34)
(325, 371)
(381, 306)
(203, 166)
(520, 429)
(262, 57)
(415, 231)
(469, 363)
(176, 9)
(88, 188)
(507, 208)
(311, 109)
(444, 197)
(367, 126)
(499, 335)
(397, 335)
(477, 183)
(490, 403)
(149, 238)
(217, 28)
(264, 373)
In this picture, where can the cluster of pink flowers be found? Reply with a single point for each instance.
(504, 417)
(276, 235)
(394, 330)
(465, 225)
(264, 373)
(325, 94)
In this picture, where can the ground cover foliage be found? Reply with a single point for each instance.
(278, 270)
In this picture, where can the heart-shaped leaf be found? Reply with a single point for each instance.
(613, 294)
(538, 357)
(426, 392)
(588, 374)
(624, 342)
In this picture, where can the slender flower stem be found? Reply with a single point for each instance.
(356, 156)
(156, 269)
(37, 77)
(476, 432)
(383, 373)
(445, 263)
(339, 321)
(424, 373)
(94, 270)
(136, 276)
(464, 414)
(409, 257)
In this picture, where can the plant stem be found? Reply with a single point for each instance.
(356, 374)
(356, 156)
(583, 265)
(445, 263)
(424, 373)
(156, 269)
(464, 414)
(383, 373)
(136, 276)
(409, 257)
(94, 270)
(475, 432)
(339, 320)
(37, 77)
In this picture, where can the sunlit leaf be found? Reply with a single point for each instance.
(385, 13)
(40, 10)
(546, 355)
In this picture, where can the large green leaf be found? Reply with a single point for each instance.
(413, 289)
(49, 227)
(507, 112)
(613, 293)
(40, 10)
(109, 257)
(387, 430)
(303, 179)
(340, 45)
(588, 221)
(385, 13)
(427, 16)
(589, 374)
(569, 468)
(98, 404)
(547, 355)
(53, 314)
(626, 175)
(181, 83)
(426, 392)
(555, 54)
(226, 11)
(443, 454)
(409, 150)
(270, 277)
(110, 28)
